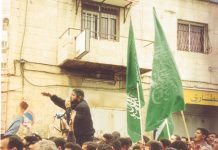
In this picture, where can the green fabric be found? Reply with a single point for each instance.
(166, 94)
(132, 80)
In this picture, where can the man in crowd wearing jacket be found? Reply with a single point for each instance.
(80, 119)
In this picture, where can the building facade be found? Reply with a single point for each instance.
(56, 46)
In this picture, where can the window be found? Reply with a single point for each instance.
(90, 21)
(101, 20)
(192, 37)
(5, 33)
(4, 42)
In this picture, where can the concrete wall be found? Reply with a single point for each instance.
(35, 28)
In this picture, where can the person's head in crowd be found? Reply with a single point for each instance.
(136, 147)
(125, 143)
(108, 138)
(179, 145)
(170, 148)
(72, 146)
(201, 135)
(184, 139)
(116, 134)
(129, 141)
(23, 107)
(165, 143)
(77, 95)
(215, 144)
(211, 137)
(103, 146)
(89, 146)
(44, 145)
(116, 144)
(30, 140)
(174, 138)
(59, 142)
(155, 145)
(11, 142)
(37, 136)
(97, 140)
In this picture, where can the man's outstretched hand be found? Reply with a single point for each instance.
(46, 94)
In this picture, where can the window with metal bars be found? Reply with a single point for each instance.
(101, 20)
(192, 37)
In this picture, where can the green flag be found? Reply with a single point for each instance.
(165, 129)
(166, 94)
(135, 98)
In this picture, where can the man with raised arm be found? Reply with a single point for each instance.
(80, 119)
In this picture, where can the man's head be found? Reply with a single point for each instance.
(174, 138)
(179, 145)
(184, 139)
(200, 134)
(31, 139)
(11, 142)
(77, 95)
(155, 145)
(125, 143)
(165, 143)
(116, 134)
(72, 146)
(59, 142)
(108, 138)
(89, 146)
(215, 144)
(105, 147)
(211, 137)
(23, 106)
(44, 145)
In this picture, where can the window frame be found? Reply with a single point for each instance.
(114, 15)
(205, 36)
(96, 34)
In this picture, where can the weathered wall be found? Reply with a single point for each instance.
(35, 28)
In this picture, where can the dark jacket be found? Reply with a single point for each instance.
(83, 125)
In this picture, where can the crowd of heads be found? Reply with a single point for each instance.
(202, 140)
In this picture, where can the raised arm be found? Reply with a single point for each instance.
(55, 99)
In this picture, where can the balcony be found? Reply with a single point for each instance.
(120, 3)
(93, 57)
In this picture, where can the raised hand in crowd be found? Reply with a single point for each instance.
(46, 94)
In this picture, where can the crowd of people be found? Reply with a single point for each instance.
(111, 141)
(80, 133)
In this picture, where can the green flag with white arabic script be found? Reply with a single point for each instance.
(166, 94)
(135, 98)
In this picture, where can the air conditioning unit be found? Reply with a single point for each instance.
(82, 43)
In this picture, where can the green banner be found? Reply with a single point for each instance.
(135, 98)
(166, 94)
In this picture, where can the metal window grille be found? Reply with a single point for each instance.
(192, 37)
(196, 39)
(104, 28)
(102, 22)
(90, 21)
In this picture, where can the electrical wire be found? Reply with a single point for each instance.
(103, 88)
(24, 31)
(61, 85)
(14, 90)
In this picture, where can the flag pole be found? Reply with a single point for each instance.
(140, 110)
(168, 130)
(186, 129)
